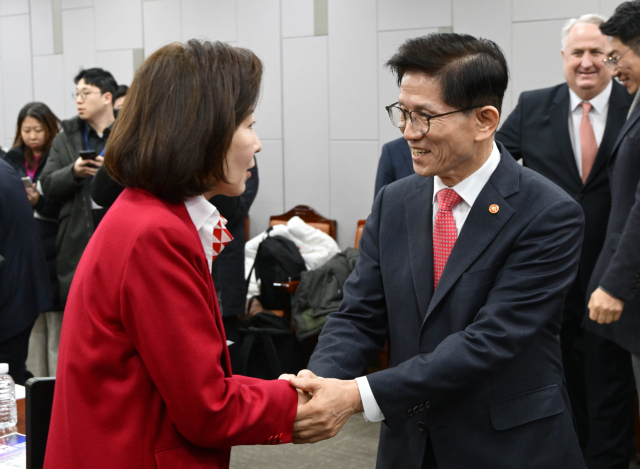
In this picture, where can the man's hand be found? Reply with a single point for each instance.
(604, 308)
(333, 402)
(33, 195)
(85, 168)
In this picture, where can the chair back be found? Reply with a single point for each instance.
(309, 216)
(359, 233)
(38, 406)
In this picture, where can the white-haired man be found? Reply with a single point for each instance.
(567, 133)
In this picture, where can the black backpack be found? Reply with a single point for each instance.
(278, 260)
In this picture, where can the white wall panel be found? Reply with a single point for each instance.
(42, 27)
(270, 198)
(78, 40)
(48, 82)
(526, 10)
(119, 63)
(209, 19)
(388, 44)
(413, 14)
(5, 140)
(536, 59)
(297, 18)
(306, 122)
(16, 68)
(161, 24)
(353, 107)
(259, 30)
(14, 7)
(473, 17)
(353, 175)
(118, 24)
(70, 4)
(607, 7)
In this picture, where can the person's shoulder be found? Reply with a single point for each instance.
(542, 193)
(403, 187)
(15, 157)
(396, 145)
(542, 95)
(70, 126)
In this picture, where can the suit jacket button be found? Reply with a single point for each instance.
(427, 404)
(421, 407)
(415, 410)
(422, 427)
(409, 413)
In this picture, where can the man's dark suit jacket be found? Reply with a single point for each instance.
(538, 132)
(25, 290)
(395, 163)
(477, 363)
(618, 268)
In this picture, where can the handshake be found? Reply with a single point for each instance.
(324, 405)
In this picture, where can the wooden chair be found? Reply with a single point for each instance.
(359, 233)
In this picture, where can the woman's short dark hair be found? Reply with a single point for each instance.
(625, 25)
(472, 72)
(49, 121)
(182, 109)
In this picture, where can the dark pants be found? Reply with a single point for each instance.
(572, 345)
(611, 403)
(14, 352)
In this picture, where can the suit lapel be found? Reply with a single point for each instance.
(559, 117)
(481, 226)
(616, 117)
(419, 232)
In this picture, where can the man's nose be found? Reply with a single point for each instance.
(410, 132)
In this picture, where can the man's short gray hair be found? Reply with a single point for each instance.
(590, 18)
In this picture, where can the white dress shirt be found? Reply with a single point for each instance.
(468, 189)
(205, 217)
(597, 116)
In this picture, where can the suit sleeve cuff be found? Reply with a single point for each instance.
(372, 412)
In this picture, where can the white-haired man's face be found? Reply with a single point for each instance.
(584, 70)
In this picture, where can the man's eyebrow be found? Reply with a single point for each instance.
(423, 107)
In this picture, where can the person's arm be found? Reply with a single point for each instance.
(385, 174)
(104, 190)
(57, 179)
(166, 313)
(511, 132)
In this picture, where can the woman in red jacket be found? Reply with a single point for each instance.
(144, 379)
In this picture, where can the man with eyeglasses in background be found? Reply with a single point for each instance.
(614, 304)
(76, 155)
(566, 133)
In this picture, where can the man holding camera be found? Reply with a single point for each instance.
(76, 155)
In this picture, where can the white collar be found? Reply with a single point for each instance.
(204, 216)
(598, 103)
(470, 187)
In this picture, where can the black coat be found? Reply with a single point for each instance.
(618, 268)
(47, 224)
(538, 132)
(25, 291)
(395, 163)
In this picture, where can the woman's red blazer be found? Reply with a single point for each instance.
(144, 378)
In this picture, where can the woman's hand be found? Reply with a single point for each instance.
(33, 195)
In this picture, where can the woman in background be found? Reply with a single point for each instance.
(144, 378)
(37, 126)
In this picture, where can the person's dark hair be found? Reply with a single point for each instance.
(625, 25)
(49, 121)
(186, 101)
(99, 78)
(120, 92)
(471, 72)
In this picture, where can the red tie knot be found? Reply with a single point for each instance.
(447, 199)
(586, 107)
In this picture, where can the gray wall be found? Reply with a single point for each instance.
(321, 117)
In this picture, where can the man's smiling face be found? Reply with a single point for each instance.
(584, 70)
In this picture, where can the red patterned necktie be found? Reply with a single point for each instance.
(221, 237)
(588, 142)
(444, 231)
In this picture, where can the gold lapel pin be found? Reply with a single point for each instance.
(494, 208)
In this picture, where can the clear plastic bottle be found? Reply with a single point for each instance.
(8, 409)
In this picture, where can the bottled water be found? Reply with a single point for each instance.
(8, 409)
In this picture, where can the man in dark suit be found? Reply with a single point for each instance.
(465, 266)
(25, 290)
(395, 163)
(614, 305)
(546, 130)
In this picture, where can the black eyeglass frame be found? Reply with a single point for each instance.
(424, 114)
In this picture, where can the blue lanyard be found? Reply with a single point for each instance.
(86, 140)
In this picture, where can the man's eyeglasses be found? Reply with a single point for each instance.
(76, 94)
(613, 61)
(421, 120)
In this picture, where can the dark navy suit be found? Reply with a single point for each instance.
(395, 163)
(476, 365)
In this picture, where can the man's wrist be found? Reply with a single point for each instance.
(356, 399)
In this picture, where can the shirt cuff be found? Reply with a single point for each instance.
(372, 412)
